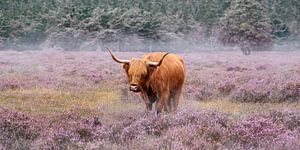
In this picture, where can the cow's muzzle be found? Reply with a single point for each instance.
(134, 88)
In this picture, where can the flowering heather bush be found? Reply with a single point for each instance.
(151, 125)
(253, 130)
(17, 130)
(289, 119)
(13, 84)
(236, 68)
(264, 67)
(22, 131)
(288, 91)
(278, 130)
(226, 87)
(186, 129)
(285, 141)
(197, 92)
(70, 131)
(253, 91)
(266, 89)
(95, 76)
(177, 131)
(194, 130)
(209, 130)
(242, 79)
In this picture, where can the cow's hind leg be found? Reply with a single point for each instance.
(175, 99)
(161, 103)
(171, 101)
(167, 107)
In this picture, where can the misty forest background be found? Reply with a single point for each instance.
(147, 24)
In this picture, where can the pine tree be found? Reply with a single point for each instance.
(246, 24)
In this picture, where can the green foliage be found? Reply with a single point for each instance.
(129, 21)
(285, 16)
(24, 22)
(245, 22)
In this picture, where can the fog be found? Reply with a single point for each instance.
(125, 43)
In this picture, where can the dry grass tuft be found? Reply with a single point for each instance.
(46, 101)
(240, 109)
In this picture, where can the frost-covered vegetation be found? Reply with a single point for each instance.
(80, 100)
(92, 24)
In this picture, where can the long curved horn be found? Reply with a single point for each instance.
(156, 64)
(124, 61)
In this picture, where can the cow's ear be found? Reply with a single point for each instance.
(126, 67)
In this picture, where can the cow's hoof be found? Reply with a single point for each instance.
(157, 113)
(148, 113)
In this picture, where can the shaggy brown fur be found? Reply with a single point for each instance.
(162, 84)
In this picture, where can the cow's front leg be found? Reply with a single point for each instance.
(161, 103)
(149, 107)
(148, 102)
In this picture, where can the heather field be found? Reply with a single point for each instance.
(80, 100)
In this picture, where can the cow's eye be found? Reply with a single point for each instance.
(144, 76)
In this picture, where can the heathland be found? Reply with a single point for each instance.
(80, 100)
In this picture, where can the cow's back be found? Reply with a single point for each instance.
(170, 74)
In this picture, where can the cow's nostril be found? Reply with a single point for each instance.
(133, 87)
(132, 84)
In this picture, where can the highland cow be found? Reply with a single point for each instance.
(159, 77)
